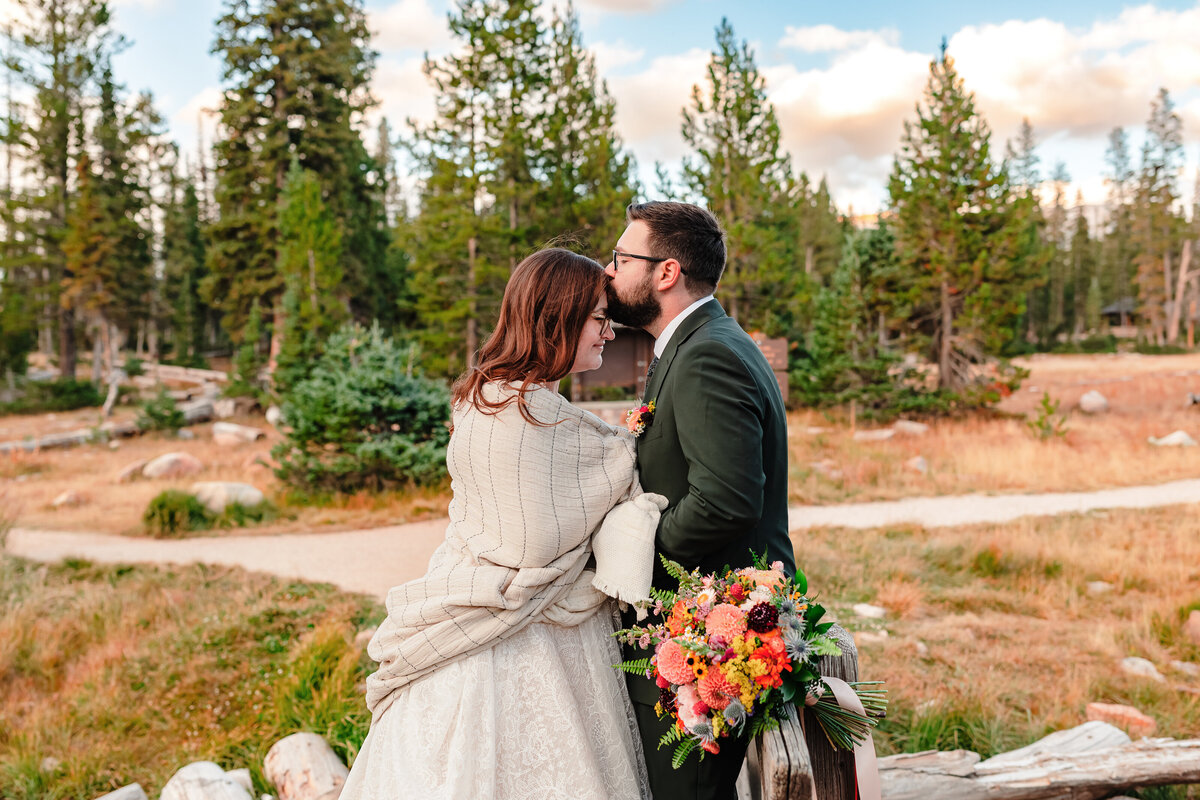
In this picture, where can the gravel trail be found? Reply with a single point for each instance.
(371, 561)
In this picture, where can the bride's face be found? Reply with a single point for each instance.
(596, 331)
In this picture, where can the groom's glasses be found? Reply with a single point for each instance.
(618, 255)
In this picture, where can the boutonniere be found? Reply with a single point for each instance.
(636, 419)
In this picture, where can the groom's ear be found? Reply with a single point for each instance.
(670, 274)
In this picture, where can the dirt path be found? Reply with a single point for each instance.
(371, 561)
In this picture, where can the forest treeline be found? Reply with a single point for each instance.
(295, 220)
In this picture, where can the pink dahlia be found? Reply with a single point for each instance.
(715, 689)
(727, 621)
(673, 664)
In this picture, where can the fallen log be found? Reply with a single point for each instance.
(304, 767)
(1076, 764)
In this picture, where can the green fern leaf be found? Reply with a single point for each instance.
(638, 667)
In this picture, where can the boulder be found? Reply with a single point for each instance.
(68, 498)
(133, 791)
(877, 435)
(1093, 403)
(216, 495)
(1099, 587)
(1187, 668)
(1175, 439)
(304, 767)
(204, 780)
(132, 471)
(1141, 668)
(1191, 628)
(1128, 718)
(172, 465)
(869, 611)
(224, 408)
(228, 434)
(185, 434)
(274, 416)
(917, 464)
(907, 427)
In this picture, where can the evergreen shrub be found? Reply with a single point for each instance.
(160, 414)
(64, 394)
(361, 420)
(173, 513)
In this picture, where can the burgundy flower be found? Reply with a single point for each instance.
(762, 618)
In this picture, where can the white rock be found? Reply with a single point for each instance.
(114, 445)
(363, 637)
(224, 408)
(172, 465)
(216, 495)
(133, 791)
(68, 498)
(227, 433)
(1175, 439)
(50, 764)
(1141, 668)
(909, 428)
(185, 434)
(869, 611)
(132, 471)
(877, 435)
(1093, 403)
(870, 637)
(274, 416)
(203, 779)
(827, 467)
(1191, 628)
(1099, 587)
(1187, 668)
(922, 649)
(917, 464)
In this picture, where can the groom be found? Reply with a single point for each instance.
(716, 446)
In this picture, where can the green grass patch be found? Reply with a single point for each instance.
(127, 673)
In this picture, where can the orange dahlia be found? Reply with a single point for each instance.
(715, 689)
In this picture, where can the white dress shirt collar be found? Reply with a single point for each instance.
(660, 344)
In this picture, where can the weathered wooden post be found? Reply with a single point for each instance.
(797, 762)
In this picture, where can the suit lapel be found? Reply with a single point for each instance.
(696, 320)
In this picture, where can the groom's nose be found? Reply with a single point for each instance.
(611, 270)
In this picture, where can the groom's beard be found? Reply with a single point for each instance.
(637, 311)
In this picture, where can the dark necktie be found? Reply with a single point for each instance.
(650, 370)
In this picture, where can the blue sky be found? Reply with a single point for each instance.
(843, 76)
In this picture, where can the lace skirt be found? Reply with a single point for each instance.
(540, 716)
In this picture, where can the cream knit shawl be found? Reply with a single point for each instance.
(526, 502)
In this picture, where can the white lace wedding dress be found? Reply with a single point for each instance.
(540, 716)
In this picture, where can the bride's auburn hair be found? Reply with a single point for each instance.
(546, 303)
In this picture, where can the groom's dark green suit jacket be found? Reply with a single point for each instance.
(717, 449)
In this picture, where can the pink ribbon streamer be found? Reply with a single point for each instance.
(866, 768)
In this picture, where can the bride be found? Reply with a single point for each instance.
(495, 675)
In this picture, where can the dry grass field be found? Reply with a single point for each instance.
(984, 453)
(993, 636)
(998, 454)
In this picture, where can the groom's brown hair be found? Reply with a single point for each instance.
(546, 303)
(687, 233)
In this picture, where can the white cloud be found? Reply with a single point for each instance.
(409, 24)
(146, 4)
(403, 91)
(649, 104)
(828, 39)
(613, 57)
(624, 6)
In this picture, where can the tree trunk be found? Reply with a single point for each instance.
(276, 336)
(472, 295)
(304, 767)
(66, 343)
(946, 377)
(1177, 305)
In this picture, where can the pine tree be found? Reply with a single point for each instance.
(1119, 247)
(297, 74)
(588, 176)
(309, 257)
(740, 169)
(1156, 225)
(59, 47)
(958, 225)
(184, 270)
(1084, 278)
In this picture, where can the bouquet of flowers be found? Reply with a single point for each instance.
(734, 653)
